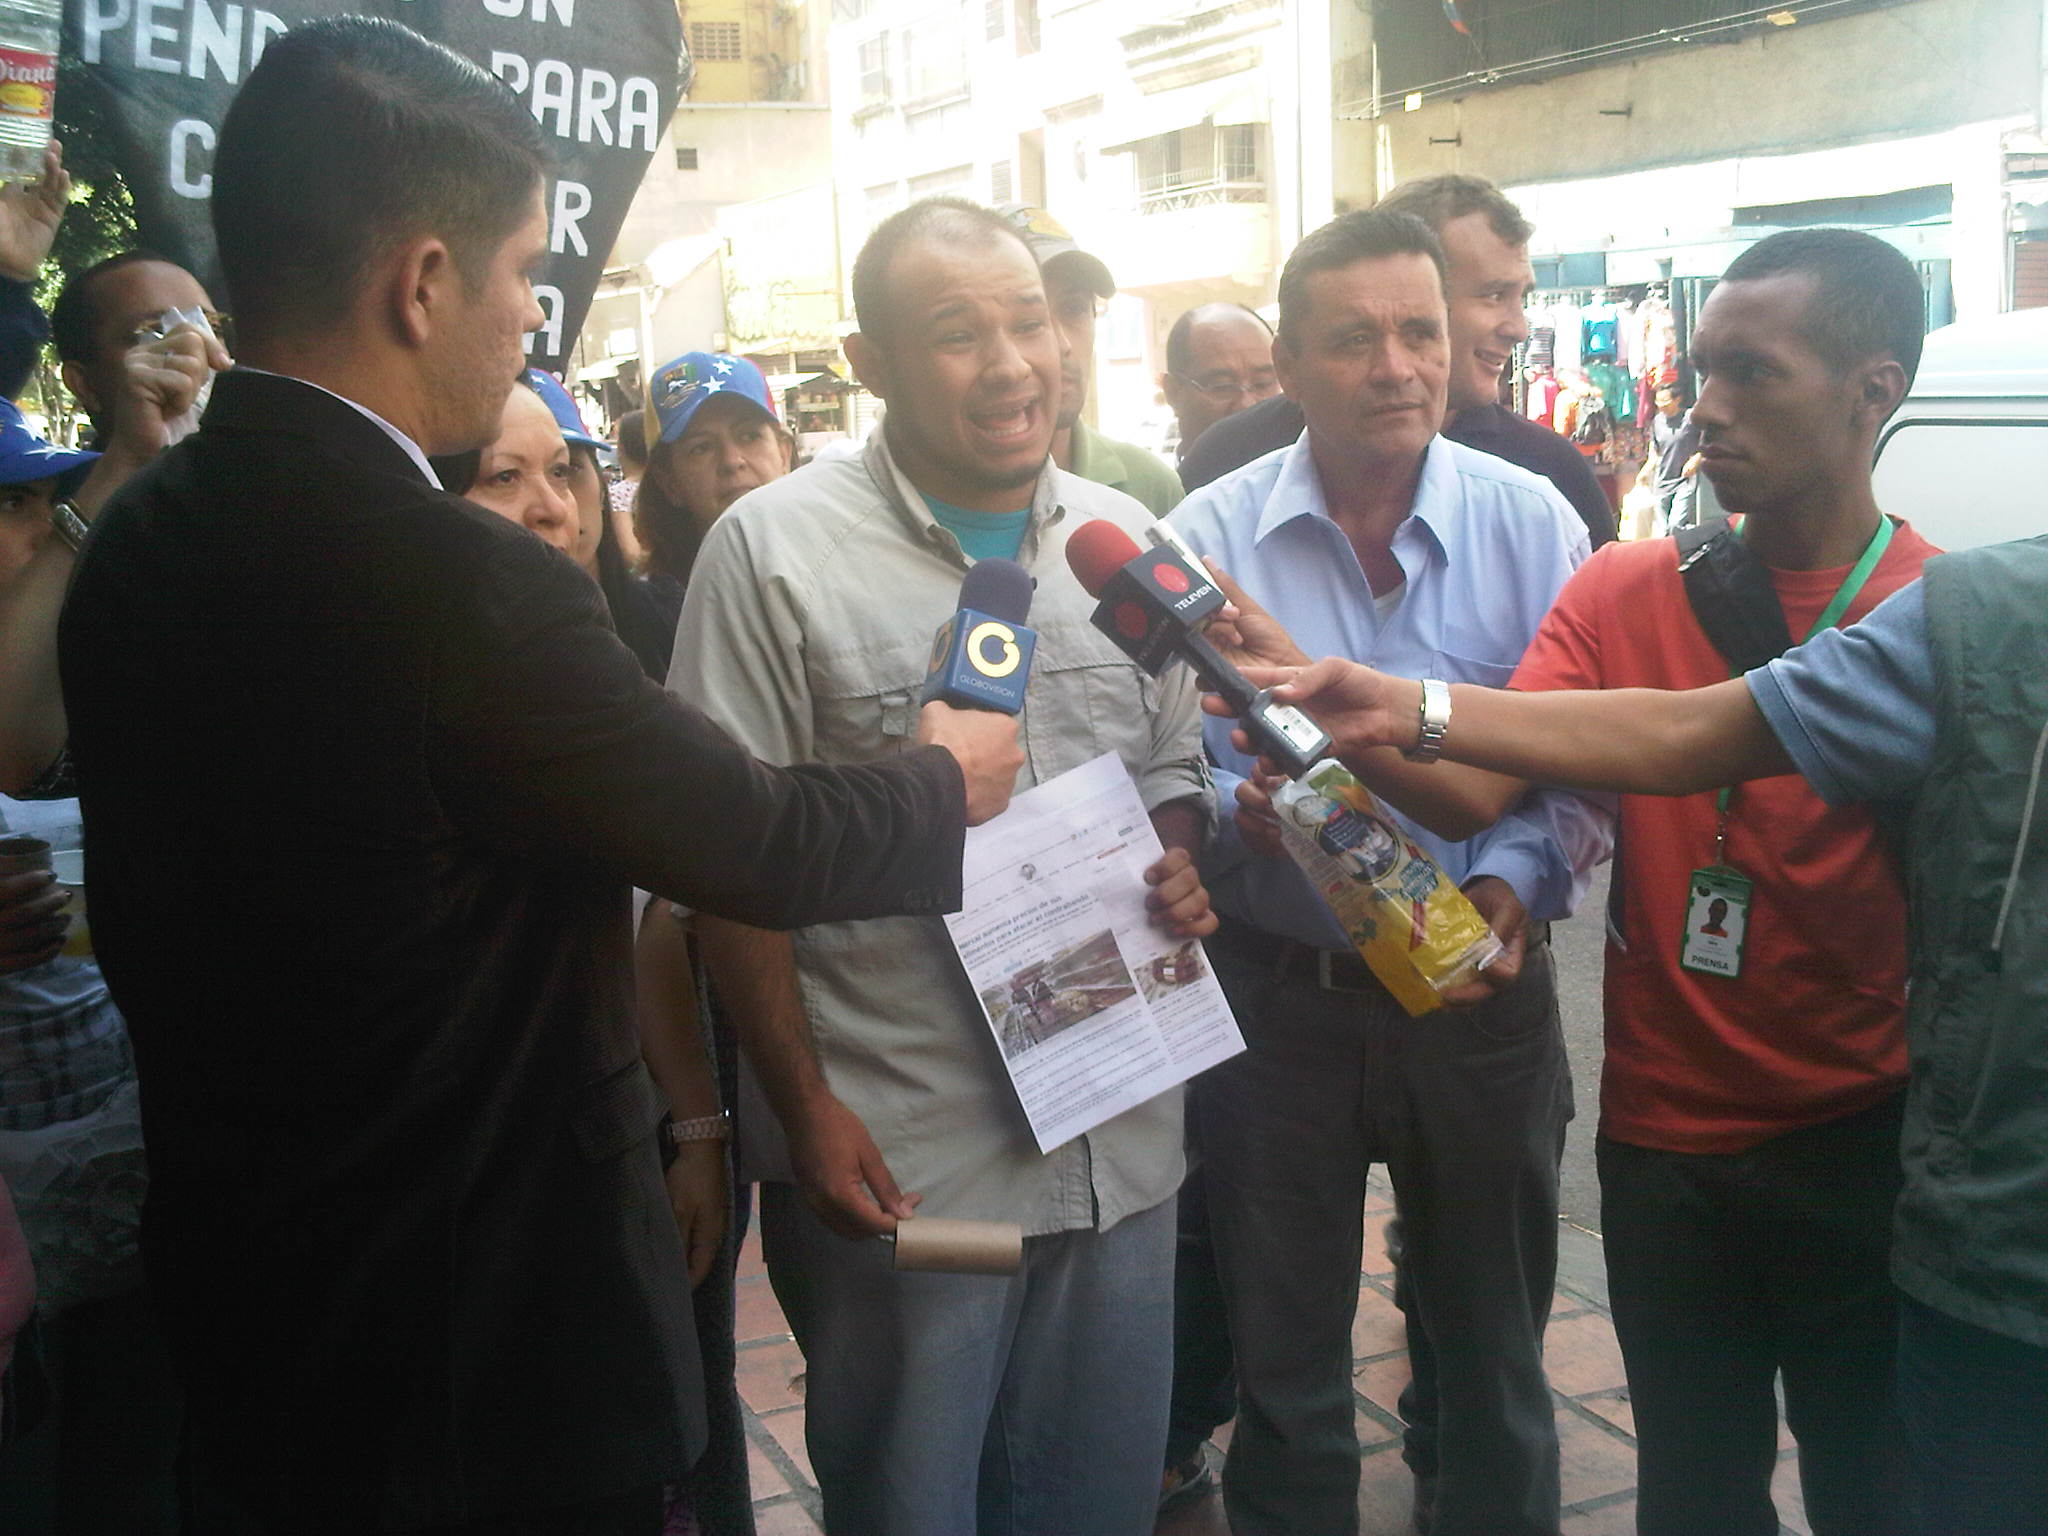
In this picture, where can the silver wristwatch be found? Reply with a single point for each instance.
(68, 525)
(716, 1127)
(1436, 721)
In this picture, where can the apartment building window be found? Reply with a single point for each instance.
(934, 60)
(1027, 26)
(999, 183)
(686, 157)
(874, 69)
(1237, 152)
(2029, 272)
(995, 16)
(882, 201)
(958, 180)
(948, 117)
(716, 42)
(1159, 161)
(1203, 164)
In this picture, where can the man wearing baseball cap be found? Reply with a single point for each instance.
(1075, 282)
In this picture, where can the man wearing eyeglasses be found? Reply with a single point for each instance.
(1219, 360)
(106, 310)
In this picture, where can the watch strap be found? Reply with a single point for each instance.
(716, 1127)
(69, 524)
(1435, 719)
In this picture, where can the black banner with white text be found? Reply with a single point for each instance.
(601, 76)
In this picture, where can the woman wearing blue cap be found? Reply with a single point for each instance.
(720, 438)
(34, 476)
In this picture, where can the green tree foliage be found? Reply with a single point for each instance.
(102, 217)
(100, 222)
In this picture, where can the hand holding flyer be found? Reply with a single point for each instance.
(1094, 1009)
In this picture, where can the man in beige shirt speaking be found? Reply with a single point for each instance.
(942, 1404)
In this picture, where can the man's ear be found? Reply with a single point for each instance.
(422, 289)
(1881, 388)
(76, 381)
(1283, 364)
(868, 366)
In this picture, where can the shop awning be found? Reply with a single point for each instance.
(1219, 102)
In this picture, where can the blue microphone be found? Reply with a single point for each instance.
(981, 657)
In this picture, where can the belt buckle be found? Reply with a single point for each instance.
(1326, 979)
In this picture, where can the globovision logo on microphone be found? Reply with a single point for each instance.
(992, 649)
(981, 661)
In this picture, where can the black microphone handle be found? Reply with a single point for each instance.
(1232, 686)
(1281, 732)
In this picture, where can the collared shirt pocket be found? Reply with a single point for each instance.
(1453, 668)
(865, 703)
(1086, 698)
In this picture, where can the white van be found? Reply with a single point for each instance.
(1965, 460)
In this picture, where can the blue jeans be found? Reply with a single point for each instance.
(1463, 1107)
(947, 1405)
(1976, 1410)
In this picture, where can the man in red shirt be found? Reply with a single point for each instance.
(1749, 1106)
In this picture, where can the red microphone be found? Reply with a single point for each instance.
(1153, 604)
(1148, 596)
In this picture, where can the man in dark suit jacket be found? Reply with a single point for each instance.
(367, 780)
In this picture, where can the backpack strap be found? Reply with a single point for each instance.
(1732, 596)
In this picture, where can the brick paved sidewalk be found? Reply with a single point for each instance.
(1594, 1426)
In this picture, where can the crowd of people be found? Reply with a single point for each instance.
(500, 878)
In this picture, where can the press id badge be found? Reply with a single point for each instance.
(1716, 921)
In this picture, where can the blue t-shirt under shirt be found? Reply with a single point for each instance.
(983, 535)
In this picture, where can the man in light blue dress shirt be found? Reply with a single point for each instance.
(1375, 538)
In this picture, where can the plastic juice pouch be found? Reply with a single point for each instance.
(1410, 923)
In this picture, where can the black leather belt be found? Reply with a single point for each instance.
(1333, 970)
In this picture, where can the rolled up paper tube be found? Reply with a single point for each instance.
(959, 1247)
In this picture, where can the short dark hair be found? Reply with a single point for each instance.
(631, 433)
(353, 135)
(1181, 337)
(1436, 200)
(75, 317)
(952, 219)
(1867, 299)
(1363, 235)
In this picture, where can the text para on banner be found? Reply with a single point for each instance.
(164, 71)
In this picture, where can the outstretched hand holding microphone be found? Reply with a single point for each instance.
(981, 661)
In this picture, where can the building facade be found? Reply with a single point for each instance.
(710, 248)
(1189, 146)
(1651, 143)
